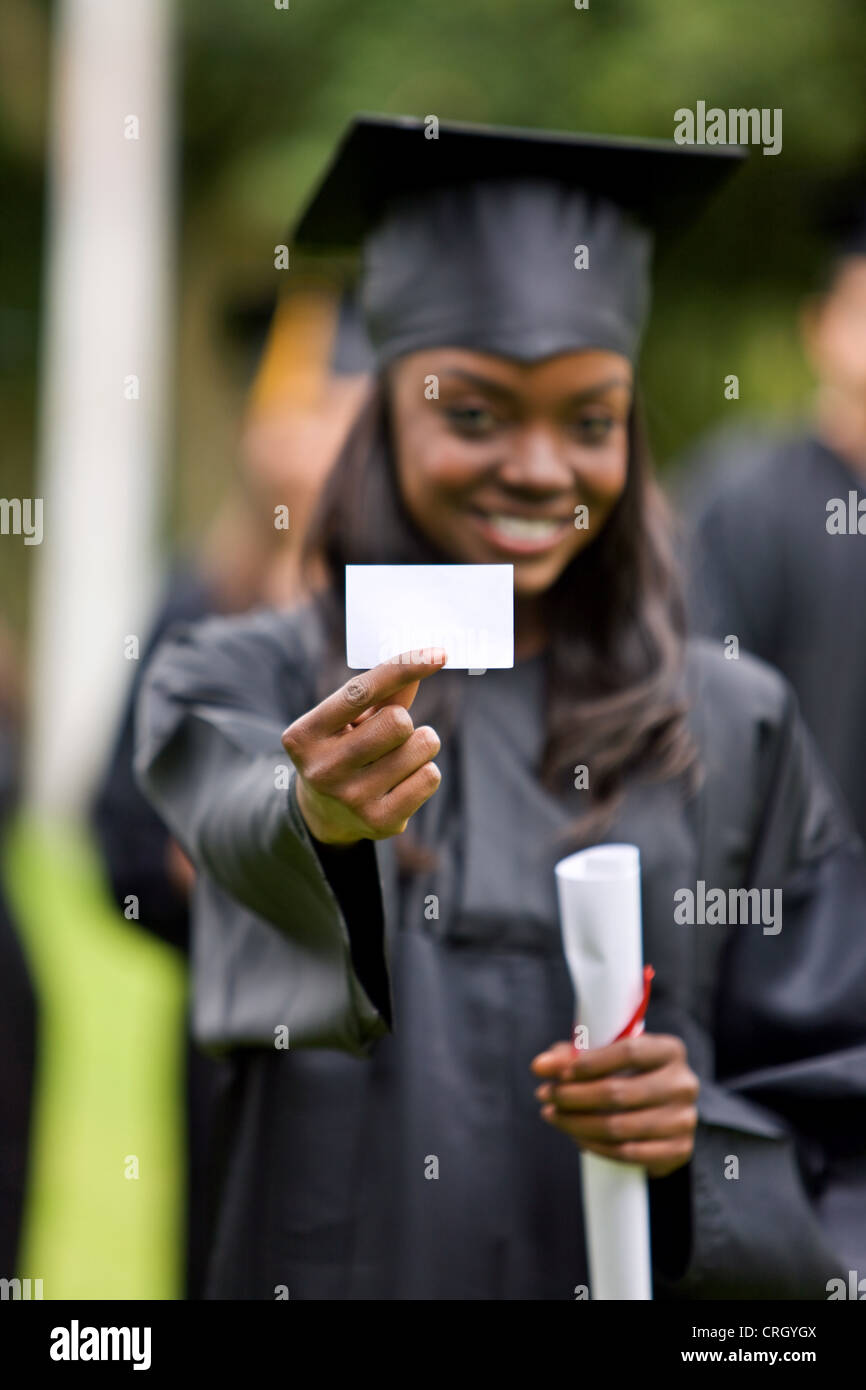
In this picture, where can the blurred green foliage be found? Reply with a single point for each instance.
(264, 93)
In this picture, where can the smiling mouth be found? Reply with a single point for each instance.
(522, 534)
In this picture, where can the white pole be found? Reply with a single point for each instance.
(104, 380)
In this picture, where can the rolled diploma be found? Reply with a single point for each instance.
(599, 907)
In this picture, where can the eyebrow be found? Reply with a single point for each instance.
(505, 393)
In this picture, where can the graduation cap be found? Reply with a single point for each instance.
(522, 243)
(352, 353)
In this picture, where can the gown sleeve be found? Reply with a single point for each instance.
(214, 702)
(776, 1183)
(134, 842)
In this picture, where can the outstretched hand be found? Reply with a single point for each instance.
(363, 768)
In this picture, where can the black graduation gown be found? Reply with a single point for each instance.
(409, 1161)
(768, 571)
(132, 838)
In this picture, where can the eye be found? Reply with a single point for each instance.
(593, 429)
(471, 421)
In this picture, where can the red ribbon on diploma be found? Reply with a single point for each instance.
(637, 1018)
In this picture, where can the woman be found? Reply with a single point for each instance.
(405, 1114)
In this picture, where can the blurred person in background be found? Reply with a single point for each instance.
(779, 546)
(18, 1015)
(306, 392)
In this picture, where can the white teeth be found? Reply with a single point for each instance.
(521, 528)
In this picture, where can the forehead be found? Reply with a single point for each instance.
(566, 374)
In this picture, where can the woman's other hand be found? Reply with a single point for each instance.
(634, 1100)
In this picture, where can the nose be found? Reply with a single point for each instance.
(535, 463)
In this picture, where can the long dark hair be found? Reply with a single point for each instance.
(614, 664)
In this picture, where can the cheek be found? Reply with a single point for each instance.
(432, 466)
(603, 483)
(599, 487)
(846, 346)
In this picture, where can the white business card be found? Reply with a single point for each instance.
(467, 609)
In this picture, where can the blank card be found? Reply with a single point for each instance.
(467, 609)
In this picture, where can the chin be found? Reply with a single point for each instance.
(531, 581)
